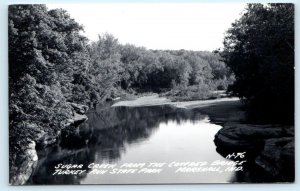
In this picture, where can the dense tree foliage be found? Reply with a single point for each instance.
(52, 67)
(51, 63)
(259, 49)
(128, 68)
(45, 53)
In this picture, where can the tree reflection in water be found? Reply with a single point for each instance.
(103, 138)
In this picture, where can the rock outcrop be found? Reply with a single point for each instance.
(75, 120)
(24, 158)
(80, 109)
(78, 115)
(277, 156)
(270, 147)
(25, 162)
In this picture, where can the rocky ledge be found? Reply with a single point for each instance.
(268, 146)
(25, 164)
(24, 159)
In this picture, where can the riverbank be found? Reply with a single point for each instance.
(23, 148)
(155, 100)
(270, 147)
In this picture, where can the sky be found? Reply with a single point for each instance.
(190, 26)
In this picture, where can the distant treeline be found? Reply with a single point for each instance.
(136, 69)
(51, 64)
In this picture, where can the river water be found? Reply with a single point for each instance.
(120, 135)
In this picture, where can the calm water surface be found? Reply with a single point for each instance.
(118, 135)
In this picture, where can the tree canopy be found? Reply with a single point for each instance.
(52, 64)
(259, 50)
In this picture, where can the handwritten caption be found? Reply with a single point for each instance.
(232, 163)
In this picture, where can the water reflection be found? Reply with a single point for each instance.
(137, 134)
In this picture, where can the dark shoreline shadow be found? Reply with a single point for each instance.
(103, 136)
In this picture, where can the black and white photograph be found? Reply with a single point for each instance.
(151, 93)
